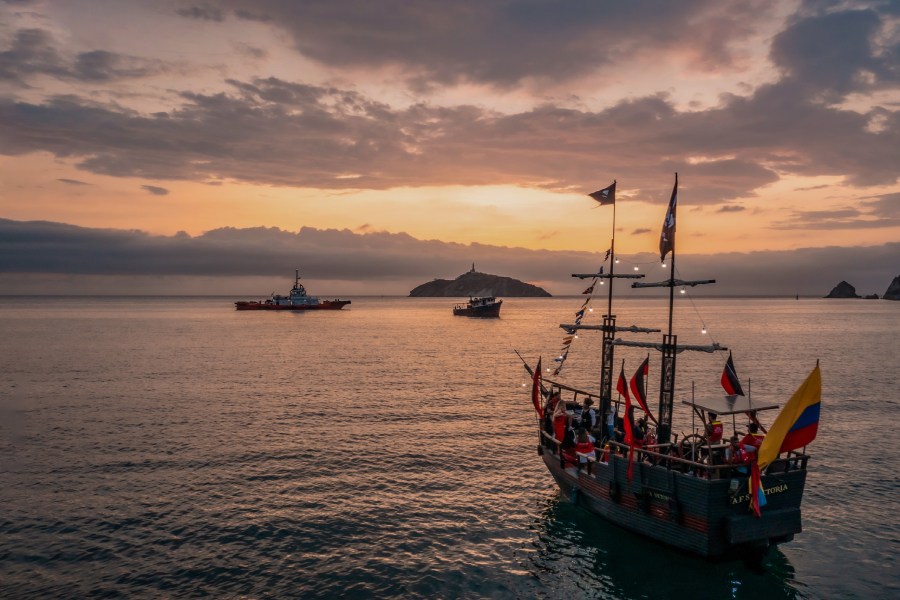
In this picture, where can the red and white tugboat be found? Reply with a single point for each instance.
(298, 299)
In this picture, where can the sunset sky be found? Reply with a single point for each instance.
(217, 146)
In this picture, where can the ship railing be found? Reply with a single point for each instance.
(661, 455)
(550, 442)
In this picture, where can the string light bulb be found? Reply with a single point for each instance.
(682, 290)
(664, 265)
(635, 267)
(703, 331)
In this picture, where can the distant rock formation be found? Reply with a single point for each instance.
(893, 291)
(870, 297)
(843, 290)
(474, 283)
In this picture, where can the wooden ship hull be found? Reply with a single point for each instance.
(706, 517)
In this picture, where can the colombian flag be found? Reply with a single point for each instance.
(757, 496)
(797, 423)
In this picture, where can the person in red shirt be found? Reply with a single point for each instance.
(584, 445)
(714, 429)
(735, 455)
(559, 421)
(753, 440)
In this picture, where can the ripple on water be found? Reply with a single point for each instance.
(383, 452)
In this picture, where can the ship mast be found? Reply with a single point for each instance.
(609, 319)
(670, 346)
(609, 331)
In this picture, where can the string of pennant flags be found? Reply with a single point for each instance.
(604, 197)
(571, 332)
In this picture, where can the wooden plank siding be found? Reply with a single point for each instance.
(707, 517)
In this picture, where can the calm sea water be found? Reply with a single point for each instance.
(174, 447)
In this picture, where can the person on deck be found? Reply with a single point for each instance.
(610, 424)
(640, 432)
(559, 421)
(714, 429)
(735, 455)
(588, 415)
(568, 442)
(585, 446)
(570, 434)
(753, 440)
(548, 425)
(733, 451)
(552, 401)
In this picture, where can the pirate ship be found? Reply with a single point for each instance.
(690, 493)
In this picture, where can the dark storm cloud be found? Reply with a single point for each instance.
(99, 65)
(250, 16)
(835, 53)
(877, 213)
(251, 51)
(32, 52)
(886, 206)
(503, 43)
(275, 132)
(156, 191)
(53, 248)
(34, 247)
(204, 12)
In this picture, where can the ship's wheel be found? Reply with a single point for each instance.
(691, 446)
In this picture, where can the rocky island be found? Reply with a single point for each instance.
(473, 283)
(843, 290)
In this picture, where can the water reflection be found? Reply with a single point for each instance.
(579, 554)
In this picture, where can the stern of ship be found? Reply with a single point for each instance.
(700, 509)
